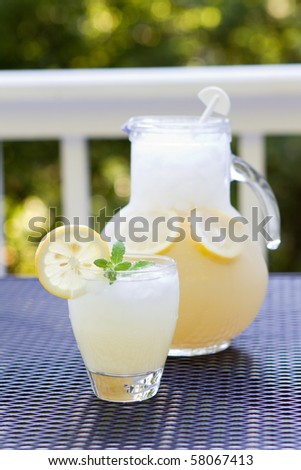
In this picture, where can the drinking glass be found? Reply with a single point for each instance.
(124, 329)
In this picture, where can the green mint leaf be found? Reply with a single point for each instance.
(141, 264)
(124, 266)
(101, 263)
(118, 252)
(111, 275)
(115, 264)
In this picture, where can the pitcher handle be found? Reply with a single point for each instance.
(243, 172)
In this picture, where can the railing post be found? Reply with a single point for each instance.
(2, 214)
(251, 148)
(75, 177)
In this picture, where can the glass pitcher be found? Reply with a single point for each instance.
(180, 169)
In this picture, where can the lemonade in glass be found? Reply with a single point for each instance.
(123, 310)
(124, 330)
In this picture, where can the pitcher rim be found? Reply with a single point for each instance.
(152, 124)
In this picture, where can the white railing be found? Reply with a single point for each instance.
(75, 105)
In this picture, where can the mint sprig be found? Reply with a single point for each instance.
(116, 263)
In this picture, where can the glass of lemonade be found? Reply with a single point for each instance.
(124, 329)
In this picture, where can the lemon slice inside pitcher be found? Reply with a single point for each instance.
(218, 235)
(64, 259)
(151, 233)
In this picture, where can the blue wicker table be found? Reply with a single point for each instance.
(248, 396)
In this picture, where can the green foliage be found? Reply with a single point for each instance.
(134, 33)
(32, 180)
(130, 33)
(110, 175)
(284, 170)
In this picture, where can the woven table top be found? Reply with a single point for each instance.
(248, 396)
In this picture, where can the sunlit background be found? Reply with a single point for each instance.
(51, 34)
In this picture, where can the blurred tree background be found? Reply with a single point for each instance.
(50, 34)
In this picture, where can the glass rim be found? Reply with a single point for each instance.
(184, 124)
(163, 265)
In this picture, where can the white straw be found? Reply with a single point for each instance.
(216, 100)
(210, 108)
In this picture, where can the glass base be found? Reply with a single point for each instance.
(125, 388)
(175, 352)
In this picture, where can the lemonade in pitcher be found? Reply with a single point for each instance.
(181, 169)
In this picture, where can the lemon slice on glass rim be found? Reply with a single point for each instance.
(64, 259)
(219, 235)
